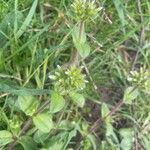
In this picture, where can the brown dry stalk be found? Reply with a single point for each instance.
(27, 125)
(97, 124)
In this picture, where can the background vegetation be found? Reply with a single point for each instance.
(112, 113)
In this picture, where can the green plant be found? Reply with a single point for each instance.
(71, 74)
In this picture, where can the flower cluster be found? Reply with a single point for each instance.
(85, 10)
(140, 79)
(67, 80)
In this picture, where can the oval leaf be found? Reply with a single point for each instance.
(40, 137)
(80, 42)
(43, 122)
(5, 137)
(28, 104)
(83, 49)
(105, 111)
(27, 143)
(127, 135)
(77, 98)
(130, 94)
(57, 102)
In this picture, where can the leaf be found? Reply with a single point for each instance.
(9, 87)
(61, 140)
(5, 137)
(92, 140)
(43, 122)
(127, 136)
(146, 142)
(57, 102)
(2, 61)
(28, 19)
(27, 143)
(71, 134)
(83, 49)
(120, 9)
(80, 42)
(129, 95)
(76, 33)
(126, 132)
(56, 146)
(104, 111)
(66, 125)
(110, 134)
(40, 137)
(57, 141)
(28, 104)
(7, 24)
(77, 99)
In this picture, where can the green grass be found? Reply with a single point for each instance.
(36, 36)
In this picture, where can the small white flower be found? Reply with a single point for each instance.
(60, 80)
(145, 77)
(59, 68)
(66, 72)
(133, 72)
(86, 81)
(146, 84)
(129, 79)
(53, 77)
(82, 67)
(57, 73)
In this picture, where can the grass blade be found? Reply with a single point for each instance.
(28, 19)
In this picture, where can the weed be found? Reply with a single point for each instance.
(74, 74)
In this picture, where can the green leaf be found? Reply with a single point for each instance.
(40, 137)
(66, 125)
(127, 136)
(92, 140)
(57, 102)
(146, 142)
(56, 146)
(2, 61)
(28, 19)
(9, 87)
(76, 33)
(28, 104)
(130, 94)
(80, 42)
(57, 141)
(110, 134)
(104, 111)
(43, 122)
(120, 9)
(77, 99)
(71, 134)
(7, 24)
(126, 132)
(5, 137)
(83, 49)
(27, 143)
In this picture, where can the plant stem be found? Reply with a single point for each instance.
(27, 125)
(96, 125)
